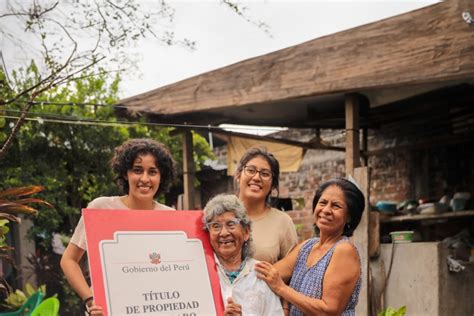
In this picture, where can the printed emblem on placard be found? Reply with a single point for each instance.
(155, 257)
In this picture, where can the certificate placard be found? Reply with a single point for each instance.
(151, 263)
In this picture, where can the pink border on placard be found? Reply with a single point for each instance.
(102, 224)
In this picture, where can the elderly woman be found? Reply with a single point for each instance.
(225, 218)
(325, 271)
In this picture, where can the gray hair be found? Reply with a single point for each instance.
(224, 203)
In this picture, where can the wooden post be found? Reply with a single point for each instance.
(352, 134)
(188, 171)
(361, 240)
(365, 139)
(361, 234)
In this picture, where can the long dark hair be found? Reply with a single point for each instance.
(272, 161)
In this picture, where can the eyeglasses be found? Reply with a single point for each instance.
(217, 227)
(265, 174)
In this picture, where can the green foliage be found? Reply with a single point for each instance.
(16, 299)
(71, 159)
(392, 312)
(5, 92)
(202, 151)
(71, 303)
(14, 201)
(3, 232)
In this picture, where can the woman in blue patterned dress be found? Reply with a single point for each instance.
(325, 271)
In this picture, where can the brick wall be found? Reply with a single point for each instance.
(317, 166)
(391, 177)
(392, 172)
(303, 220)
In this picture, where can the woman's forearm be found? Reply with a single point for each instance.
(73, 272)
(76, 278)
(308, 305)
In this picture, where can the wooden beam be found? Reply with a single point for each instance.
(352, 134)
(306, 145)
(432, 142)
(424, 217)
(365, 144)
(188, 171)
(361, 240)
(374, 234)
(429, 45)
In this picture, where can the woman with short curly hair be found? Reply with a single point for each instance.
(143, 169)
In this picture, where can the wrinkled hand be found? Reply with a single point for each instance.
(270, 275)
(232, 308)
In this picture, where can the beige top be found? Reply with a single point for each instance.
(274, 235)
(105, 202)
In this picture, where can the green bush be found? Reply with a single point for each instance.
(392, 312)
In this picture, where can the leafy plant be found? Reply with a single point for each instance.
(14, 201)
(45, 266)
(392, 312)
(66, 145)
(60, 147)
(16, 299)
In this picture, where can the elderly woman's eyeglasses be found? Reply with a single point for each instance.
(265, 174)
(217, 227)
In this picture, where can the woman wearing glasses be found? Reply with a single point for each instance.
(273, 231)
(226, 221)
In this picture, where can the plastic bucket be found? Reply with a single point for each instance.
(402, 236)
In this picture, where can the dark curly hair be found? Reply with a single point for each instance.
(355, 201)
(125, 155)
(272, 161)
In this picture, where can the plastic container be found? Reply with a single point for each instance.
(402, 236)
(459, 201)
(458, 204)
(432, 208)
(387, 207)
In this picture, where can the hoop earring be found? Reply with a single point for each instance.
(273, 192)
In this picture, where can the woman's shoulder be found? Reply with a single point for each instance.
(345, 260)
(346, 248)
(162, 207)
(304, 245)
(106, 202)
(310, 242)
(250, 262)
(280, 215)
